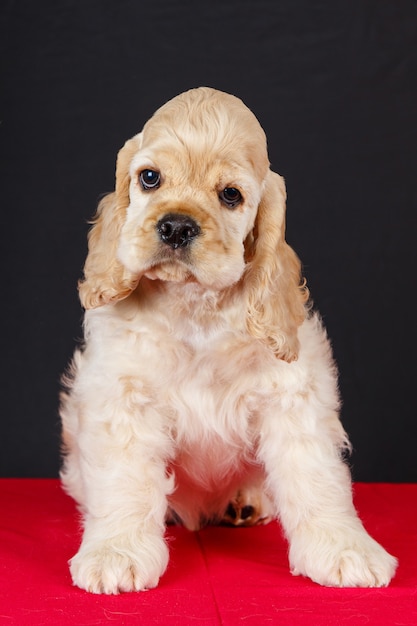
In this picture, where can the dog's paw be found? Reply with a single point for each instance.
(341, 559)
(250, 507)
(112, 567)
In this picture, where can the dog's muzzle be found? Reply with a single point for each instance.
(177, 230)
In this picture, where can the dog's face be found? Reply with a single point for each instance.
(196, 180)
(195, 201)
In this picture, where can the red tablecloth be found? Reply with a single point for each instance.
(218, 576)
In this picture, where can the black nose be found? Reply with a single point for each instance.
(177, 230)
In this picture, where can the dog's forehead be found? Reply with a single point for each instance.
(203, 100)
(204, 112)
(207, 121)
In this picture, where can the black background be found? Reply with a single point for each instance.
(334, 85)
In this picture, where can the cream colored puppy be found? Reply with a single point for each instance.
(205, 389)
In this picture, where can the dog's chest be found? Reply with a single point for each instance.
(208, 382)
(215, 419)
(212, 393)
(200, 369)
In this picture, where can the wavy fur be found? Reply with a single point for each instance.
(206, 389)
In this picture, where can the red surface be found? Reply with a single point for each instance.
(218, 576)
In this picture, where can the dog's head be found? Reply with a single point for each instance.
(195, 200)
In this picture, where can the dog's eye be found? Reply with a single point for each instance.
(231, 197)
(149, 179)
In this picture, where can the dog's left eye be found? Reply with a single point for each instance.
(231, 197)
(150, 179)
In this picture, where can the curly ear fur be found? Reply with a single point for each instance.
(106, 280)
(276, 292)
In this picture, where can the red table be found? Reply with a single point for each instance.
(218, 576)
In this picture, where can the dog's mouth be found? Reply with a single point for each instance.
(173, 265)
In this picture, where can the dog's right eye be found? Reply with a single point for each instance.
(149, 179)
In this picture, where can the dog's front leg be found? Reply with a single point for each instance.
(123, 469)
(311, 486)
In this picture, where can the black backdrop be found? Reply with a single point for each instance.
(333, 83)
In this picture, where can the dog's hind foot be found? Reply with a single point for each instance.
(249, 507)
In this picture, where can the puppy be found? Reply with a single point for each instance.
(205, 390)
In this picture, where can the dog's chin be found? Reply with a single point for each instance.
(170, 272)
(174, 272)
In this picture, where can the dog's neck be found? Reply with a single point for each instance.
(187, 298)
(188, 308)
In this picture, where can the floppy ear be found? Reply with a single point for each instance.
(105, 278)
(276, 292)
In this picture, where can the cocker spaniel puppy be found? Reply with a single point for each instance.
(205, 390)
